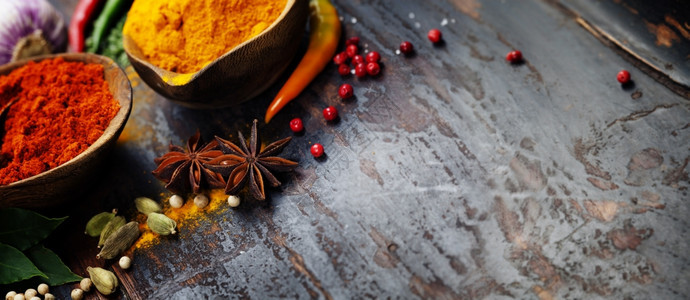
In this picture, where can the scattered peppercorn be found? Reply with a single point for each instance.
(233, 201)
(434, 35)
(345, 91)
(343, 69)
(352, 41)
(514, 56)
(125, 262)
(357, 59)
(623, 76)
(406, 48)
(340, 58)
(361, 70)
(176, 201)
(330, 113)
(351, 50)
(373, 68)
(373, 56)
(201, 201)
(296, 125)
(316, 150)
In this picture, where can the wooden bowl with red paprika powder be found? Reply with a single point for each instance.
(72, 81)
(232, 77)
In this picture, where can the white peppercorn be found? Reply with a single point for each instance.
(125, 262)
(30, 293)
(85, 284)
(233, 201)
(43, 288)
(77, 294)
(10, 295)
(200, 201)
(49, 296)
(176, 201)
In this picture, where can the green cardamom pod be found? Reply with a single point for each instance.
(161, 224)
(104, 280)
(112, 226)
(146, 205)
(97, 223)
(120, 241)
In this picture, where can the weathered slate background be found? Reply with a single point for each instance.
(454, 175)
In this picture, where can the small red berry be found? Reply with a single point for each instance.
(514, 56)
(434, 35)
(623, 76)
(406, 48)
(373, 56)
(345, 91)
(316, 150)
(361, 70)
(357, 59)
(352, 41)
(344, 69)
(296, 125)
(351, 50)
(373, 68)
(340, 58)
(330, 113)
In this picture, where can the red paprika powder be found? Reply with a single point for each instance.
(61, 109)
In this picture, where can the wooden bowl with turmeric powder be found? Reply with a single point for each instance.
(212, 54)
(66, 113)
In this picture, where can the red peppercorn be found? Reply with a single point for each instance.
(623, 77)
(373, 56)
(330, 113)
(406, 48)
(340, 58)
(514, 56)
(316, 150)
(344, 69)
(296, 125)
(357, 59)
(361, 70)
(373, 68)
(345, 91)
(352, 41)
(351, 50)
(434, 35)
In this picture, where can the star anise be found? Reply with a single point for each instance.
(248, 166)
(183, 170)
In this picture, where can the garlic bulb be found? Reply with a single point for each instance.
(29, 28)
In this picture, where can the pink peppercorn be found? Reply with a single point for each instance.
(345, 91)
(344, 69)
(361, 70)
(406, 48)
(434, 35)
(623, 76)
(373, 68)
(373, 56)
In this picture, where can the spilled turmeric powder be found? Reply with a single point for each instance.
(188, 217)
(183, 36)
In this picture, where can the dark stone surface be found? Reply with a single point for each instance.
(451, 175)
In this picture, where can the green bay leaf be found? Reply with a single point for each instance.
(51, 265)
(21, 228)
(15, 266)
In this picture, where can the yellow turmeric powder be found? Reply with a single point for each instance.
(187, 217)
(183, 36)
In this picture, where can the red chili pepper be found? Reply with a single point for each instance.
(80, 18)
(324, 27)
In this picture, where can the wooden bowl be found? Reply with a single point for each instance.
(63, 182)
(238, 75)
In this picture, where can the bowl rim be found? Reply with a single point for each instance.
(169, 77)
(117, 123)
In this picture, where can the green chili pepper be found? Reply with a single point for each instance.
(109, 15)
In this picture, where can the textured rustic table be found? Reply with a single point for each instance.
(453, 175)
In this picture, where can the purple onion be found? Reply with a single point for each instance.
(21, 19)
